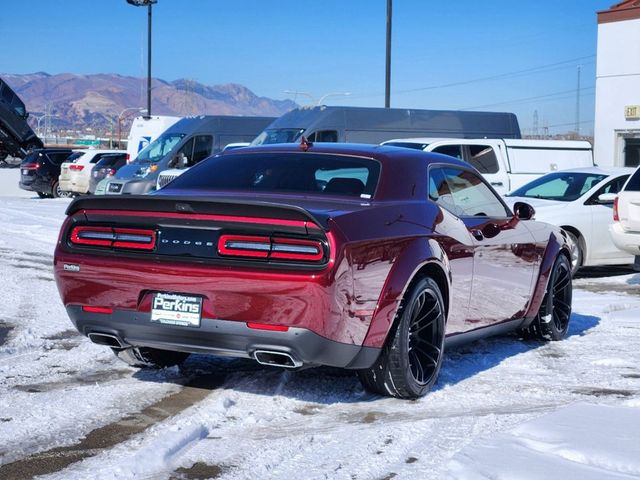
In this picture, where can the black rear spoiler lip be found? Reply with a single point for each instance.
(196, 205)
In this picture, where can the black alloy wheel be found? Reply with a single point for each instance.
(552, 321)
(410, 361)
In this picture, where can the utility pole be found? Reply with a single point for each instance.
(578, 103)
(387, 82)
(535, 123)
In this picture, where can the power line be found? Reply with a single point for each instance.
(539, 69)
(528, 99)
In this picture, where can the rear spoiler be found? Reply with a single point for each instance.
(196, 205)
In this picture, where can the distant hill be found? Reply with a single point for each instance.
(81, 101)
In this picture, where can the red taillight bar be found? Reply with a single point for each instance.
(90, 309)
(114, 237)
(266, 247)
(296, 249)
(265, 326)
(616, 216)
(76, 167)
(30, 166)
(244, 246)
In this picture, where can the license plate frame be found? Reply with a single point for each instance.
(175, 309)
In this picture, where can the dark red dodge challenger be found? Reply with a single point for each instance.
(369, 258)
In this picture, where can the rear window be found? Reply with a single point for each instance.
(75, 156)
(634, 182)
(282, 173)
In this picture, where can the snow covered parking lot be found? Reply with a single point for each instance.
(502, 408)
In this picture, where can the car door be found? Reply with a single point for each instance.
(505, 257)
(601, 213)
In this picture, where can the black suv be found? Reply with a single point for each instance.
(40, 169)
(16, 136)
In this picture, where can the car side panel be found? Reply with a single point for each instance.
(550, 242)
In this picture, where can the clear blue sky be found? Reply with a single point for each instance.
(327, 46)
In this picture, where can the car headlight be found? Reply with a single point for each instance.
(144, 171)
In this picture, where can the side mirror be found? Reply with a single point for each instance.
(607, 198)
(523, 211)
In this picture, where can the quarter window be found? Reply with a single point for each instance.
(464, 194)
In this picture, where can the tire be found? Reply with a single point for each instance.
(57, 193)
(552, 321)
(577, 253)
(410, 361)
(144, 357)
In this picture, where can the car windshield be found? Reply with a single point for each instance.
(160, 147)
(278, 135)
(307, 173)
(561, 186)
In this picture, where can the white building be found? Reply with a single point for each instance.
(617, 120)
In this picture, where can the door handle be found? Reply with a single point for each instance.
(497, 184)
(477, 234)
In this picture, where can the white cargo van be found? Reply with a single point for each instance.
(508, 163)
(145, 130)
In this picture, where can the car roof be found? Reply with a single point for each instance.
(598, 170)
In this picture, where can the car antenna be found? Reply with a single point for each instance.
(305, 144)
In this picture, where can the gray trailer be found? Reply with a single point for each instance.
(376, 125)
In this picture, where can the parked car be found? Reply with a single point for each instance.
(182, 145)
(580, 201)
(625, 229)
(16, 136)
(40, 169)
(75, 172)
(251, 254)
(105, 169)
(375, 125)
(506, 163)
(144, 130)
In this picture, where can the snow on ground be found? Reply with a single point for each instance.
(502, 408)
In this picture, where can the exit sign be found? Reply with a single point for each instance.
(632, 112)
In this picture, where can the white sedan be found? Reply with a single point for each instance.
(580, 201)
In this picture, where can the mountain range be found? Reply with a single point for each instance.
(95, 101)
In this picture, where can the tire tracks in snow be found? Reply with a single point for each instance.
(100, 439)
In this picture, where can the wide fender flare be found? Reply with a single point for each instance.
(557, 245)
(417, 255)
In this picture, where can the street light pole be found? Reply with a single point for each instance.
(141, 110)
(387, 79)
(148, 4)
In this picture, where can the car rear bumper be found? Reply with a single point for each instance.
(74, 184)
(626, 241)
(35, 185)
(222, 337)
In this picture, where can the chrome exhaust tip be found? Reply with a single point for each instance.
(106, 339)
(276, 359)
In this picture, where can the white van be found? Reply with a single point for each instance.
(145, 130)
(508, 163)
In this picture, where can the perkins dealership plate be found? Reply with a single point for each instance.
(172, 309)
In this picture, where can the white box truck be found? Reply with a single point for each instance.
(508, 164)
(145, 130)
